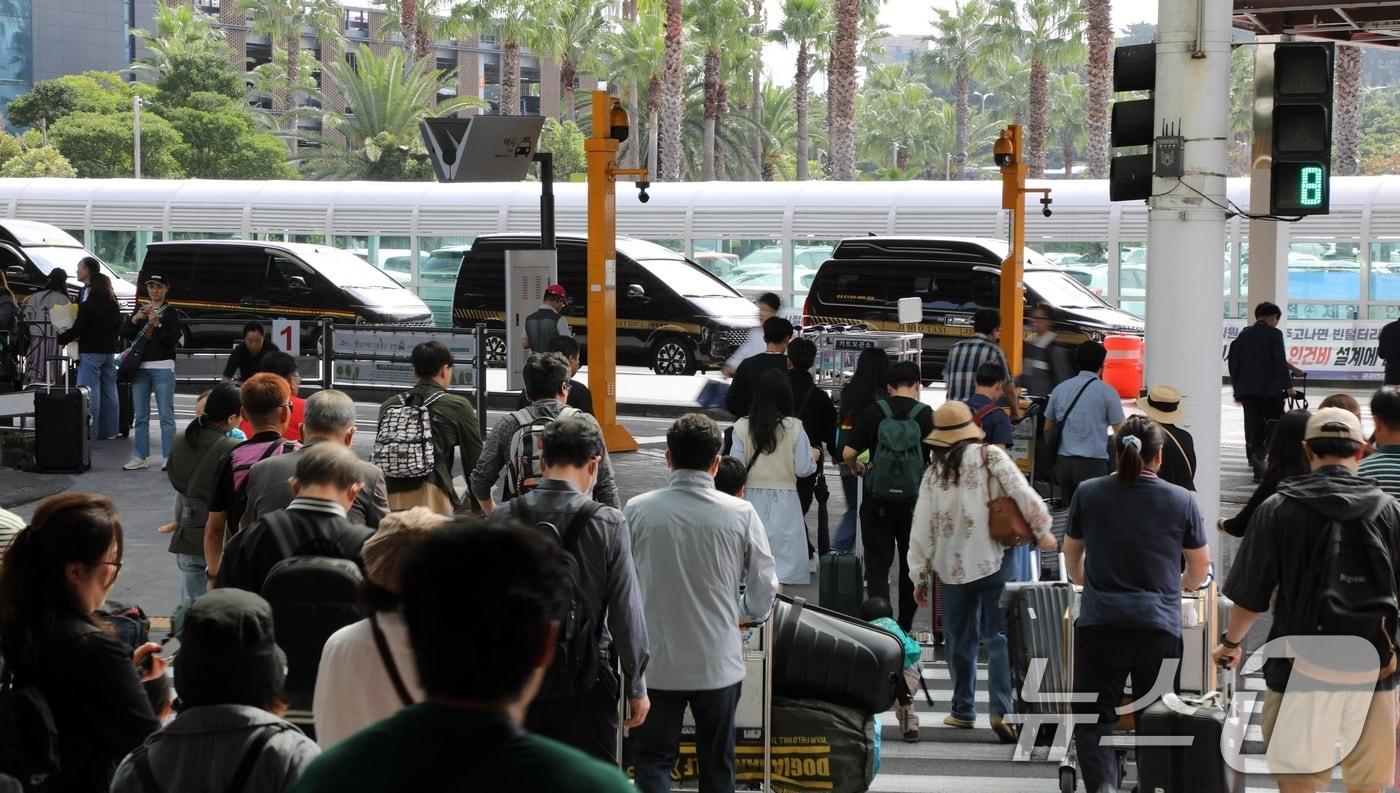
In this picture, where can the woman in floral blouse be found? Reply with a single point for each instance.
(950, 539)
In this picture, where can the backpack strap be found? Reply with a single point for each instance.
(435, 397)
(241, 774)
(885, 408)
(382, 644)
(982, 412)
(144, 775)
(580, 520)
(914, 411)
(523, 417)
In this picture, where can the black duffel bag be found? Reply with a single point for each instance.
(826, 655)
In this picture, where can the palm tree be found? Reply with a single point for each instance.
(1241, 109)
(282, 22)
(779, 129)
(416, 21)
(573, 33)
(672, 85)
(631, 57)
(714, 23)
(756, 78)
(1098, 73)
(516, 25)
(1051, 33)
(175, 30)
(965, 44)
(841, 91)
(388, 97)
(806, 25)
(1347, 100)
(1067, 92)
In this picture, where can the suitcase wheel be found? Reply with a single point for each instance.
(1068, 780)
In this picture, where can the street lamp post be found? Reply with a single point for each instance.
(984, 97)
(136, 133)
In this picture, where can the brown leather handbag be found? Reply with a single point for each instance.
(1006, 524)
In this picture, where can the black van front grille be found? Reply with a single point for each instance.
(727, 340)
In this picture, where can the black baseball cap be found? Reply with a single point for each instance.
(157, 278)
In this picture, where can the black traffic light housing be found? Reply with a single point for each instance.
(1131, 123)
(1301, 173)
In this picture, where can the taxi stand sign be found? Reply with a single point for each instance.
(481, 148)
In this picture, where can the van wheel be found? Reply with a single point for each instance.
(495, 350)
(673, 355)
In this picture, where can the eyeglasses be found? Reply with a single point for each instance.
(117, 565)
(568, 386)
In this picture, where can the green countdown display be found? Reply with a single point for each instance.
(1301, 188)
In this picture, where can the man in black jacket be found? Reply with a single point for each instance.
(158, 322)
(327, 479)
(1259, 376)
(818, 416)
(777, 332)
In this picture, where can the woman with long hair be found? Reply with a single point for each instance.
(193, 471)
(776, 451)
(95, 330)
(950, 537)
(1127, 535)
(1285, 459)
(56, 573)
(866, 386)
(43, 339)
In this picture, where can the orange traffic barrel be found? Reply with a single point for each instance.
(1123, 368)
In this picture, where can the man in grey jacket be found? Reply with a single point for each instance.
(546, 386)
(330, 418)
(693, 547)
(587, 720)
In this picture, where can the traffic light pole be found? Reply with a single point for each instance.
(1010, 157)
(602, 271)
(1186, 228)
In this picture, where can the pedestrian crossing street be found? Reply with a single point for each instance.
(951, 760)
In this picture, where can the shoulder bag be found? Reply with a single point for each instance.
(1005, 524)
(1052, 451)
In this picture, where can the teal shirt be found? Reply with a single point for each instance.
(1384, 467)
(913, 653)
(431, 747)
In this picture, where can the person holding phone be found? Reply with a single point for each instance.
(158, 322)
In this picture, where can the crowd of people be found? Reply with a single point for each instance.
(493, 633)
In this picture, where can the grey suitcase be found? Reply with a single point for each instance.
(1035, 630)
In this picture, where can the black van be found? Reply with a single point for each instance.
(229, 283)
(672, 314)
(29, 251)
(866, 276)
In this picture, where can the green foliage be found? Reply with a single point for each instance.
(222, 142)
(1380, 141)
(177, 29)
(197, 73)
(89, 92)
(9, 147)
(100, 144)
(565, 142)
(43, 161)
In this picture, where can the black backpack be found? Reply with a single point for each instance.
(576, 657)
(28, 737)
(1356, 589)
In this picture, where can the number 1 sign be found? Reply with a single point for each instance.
(287, 334)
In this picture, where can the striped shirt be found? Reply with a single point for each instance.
(960, 373)
(1384, 467)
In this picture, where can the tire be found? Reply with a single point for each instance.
(674, 356)
(1068, 782)
(495, 350)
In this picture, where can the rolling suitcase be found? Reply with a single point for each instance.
(1034, 631)
(62, 431)
(820, 654)
(126, 413)
(842, 583)
(1204, 764)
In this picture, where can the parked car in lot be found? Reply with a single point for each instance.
(30, 250)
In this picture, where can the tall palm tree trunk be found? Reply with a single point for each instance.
(1067, 149)
(408, 27)
(673, 69)
(801, 100)
(1099, 88)
(1347, 93)
(1039, 96)
(757, 85)
(654, 126)
(962, 108)
(634, 145)
(568, 71)
(707, 162)
(721, 110)
(292, 42)
(510, 78)
(841, 91)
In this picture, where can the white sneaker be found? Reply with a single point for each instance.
(135, 464)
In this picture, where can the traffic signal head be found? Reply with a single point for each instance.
(1302, 128)
(1131, 122)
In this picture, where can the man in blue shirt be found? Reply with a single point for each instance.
(986, 405)
(1088, 409)
(963, 359)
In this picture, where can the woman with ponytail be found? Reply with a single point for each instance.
(57, 572)
(193, 469)
(1127, 534)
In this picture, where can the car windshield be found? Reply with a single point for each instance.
(1061, 291)
(346, 269)
(47, 258)
(687, 279)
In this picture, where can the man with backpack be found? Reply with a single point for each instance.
(267, 406)
(1081, 412)
(577, 702)
(324, 486)
(777, 333)
(986, 404)
(886, 448)
(1323, 550)
(514, 444)
(418, 432)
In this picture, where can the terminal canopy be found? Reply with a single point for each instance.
(1370, 22)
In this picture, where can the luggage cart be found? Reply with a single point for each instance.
(838, 347)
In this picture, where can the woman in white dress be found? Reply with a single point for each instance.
(776, 450)
(43, 338)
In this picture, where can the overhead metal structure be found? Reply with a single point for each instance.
(1369, 22)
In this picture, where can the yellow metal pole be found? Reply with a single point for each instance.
(602, 275)
(1013, 178)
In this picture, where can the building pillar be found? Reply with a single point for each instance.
(469, 77)
(1186, 228)
(549, 87)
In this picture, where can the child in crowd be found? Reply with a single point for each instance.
(235, 433)
(877, 612)
(731, 476)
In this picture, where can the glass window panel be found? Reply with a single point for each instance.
(1385, 272)
(1319, 271)
(439, 259)
(123, 250)
(1132, 278)
(393, 255)
(1323, 310)
(751, 266)
(205, 235)
(78, 235)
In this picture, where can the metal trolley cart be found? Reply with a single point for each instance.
(838, 347)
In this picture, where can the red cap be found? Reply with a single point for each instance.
(555, 290)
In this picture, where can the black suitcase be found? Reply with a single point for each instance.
(1202, 766)
(1035, 630)
(62, 430)
(842, 583)
(126, 413)
(821, 654)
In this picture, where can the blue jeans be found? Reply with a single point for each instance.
(845, 539)
(162, 383)
(971, 617)
(194, 578)
(656, 744)
(97, 372)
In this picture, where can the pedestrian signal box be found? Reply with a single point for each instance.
(1302, 129)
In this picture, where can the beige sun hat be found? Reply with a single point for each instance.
(1162, 404)
(952, 422)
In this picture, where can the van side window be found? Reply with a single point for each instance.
(284, 269)
(482, 280)
(228, 273)
(573, 276)
(942, 287)
(986, 290)
(862, 285)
